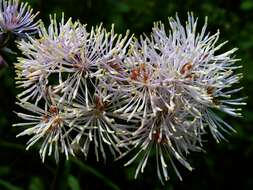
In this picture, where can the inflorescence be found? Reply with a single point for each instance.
(17, 21)
(95, 90)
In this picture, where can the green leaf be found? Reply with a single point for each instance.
(36, 184)
(5, 170)
(11, 145)
(8, 186)
(94, 172)
(73, 183)
(247, 5)
(122, 7)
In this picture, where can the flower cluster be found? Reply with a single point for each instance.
(65, 70)
(95, 89)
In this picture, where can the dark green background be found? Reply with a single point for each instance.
(223, 166)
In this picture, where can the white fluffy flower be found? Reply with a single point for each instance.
(97, 124)
(159, 93)
(73, 64)
(50, 126)
(17, 18)
(174, 82)
(70, 53)
(204, 77)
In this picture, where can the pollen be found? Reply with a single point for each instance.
(140, 73)
(186, 68)
(159, 138)
(135, 73)
(53, 110)
(210, 90)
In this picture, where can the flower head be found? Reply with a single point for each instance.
(98, 125)
(50, 126)
(73, 63)
(68, 51)
(174, 83)
(17, 18)
(204, 77)
(103, 91)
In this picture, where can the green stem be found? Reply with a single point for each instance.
(91, 170)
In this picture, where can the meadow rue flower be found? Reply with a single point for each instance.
(164, 125)
(17, 18)
(175, 82)
(44, 56)
(70, 52)
(98, 124)
(204, 77)
(73, 64)
(104, 91)
(50, 126)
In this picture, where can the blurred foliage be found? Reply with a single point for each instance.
(224, 165)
